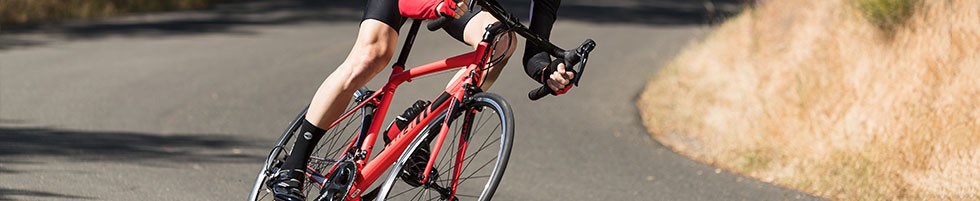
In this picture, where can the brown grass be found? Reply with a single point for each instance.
(814, 96)
(31, 11)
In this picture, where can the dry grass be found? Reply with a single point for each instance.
(30, 11)
(810, 95)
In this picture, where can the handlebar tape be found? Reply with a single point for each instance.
(540, 92)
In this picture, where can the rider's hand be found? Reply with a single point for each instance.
(431, 9)
(561, 78)
(456, 13)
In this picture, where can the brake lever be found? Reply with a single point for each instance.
(583, 53)
(579, 57)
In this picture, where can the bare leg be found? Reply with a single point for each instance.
(373, 49)
(473, 34)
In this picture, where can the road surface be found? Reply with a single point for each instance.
(184, 105)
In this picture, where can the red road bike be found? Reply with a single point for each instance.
(449, 164)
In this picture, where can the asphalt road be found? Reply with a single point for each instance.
(184, 105)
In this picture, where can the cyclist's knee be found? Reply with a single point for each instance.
(372, 51)
(369, 58)
(476, 28)
(364, 64)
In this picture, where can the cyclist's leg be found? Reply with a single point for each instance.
(470, 29)
(508, 43)
(373, 49)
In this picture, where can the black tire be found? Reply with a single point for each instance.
(478, 175)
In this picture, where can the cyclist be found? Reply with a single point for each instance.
(373, 49)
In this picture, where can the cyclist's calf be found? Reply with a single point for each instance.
(504, 48)
(507, 43)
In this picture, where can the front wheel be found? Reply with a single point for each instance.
(485, 134)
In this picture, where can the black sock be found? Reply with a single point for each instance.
(306, 140)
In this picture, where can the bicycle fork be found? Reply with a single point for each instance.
(449, 192)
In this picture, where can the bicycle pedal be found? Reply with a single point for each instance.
(339, 183)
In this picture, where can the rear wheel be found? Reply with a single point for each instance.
(490, 123)
(275, 159)
(327, 152)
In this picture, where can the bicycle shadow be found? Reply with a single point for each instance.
(9, 194)
(21, 147)
(126, 147)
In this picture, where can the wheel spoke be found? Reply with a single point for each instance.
(406, 191)
(445, 161)
(342, 144)
(326, 153)
(470, 168)
(428, 194)
(417, 194)
(469, 196)
(482, 147)
(485, 122)
(477, 170)
(473, 177)
(486, 143)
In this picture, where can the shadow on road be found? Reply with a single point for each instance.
(7, 194)
(225, 19)
(24, 147)
(10, 194)
(127, 147)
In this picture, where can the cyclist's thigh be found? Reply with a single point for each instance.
(457, 27)
(373, 48)
(376, 39)
(385, 11)
(474, 30)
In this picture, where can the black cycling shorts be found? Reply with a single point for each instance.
(386, 11)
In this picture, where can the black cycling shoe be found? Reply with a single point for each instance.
(287, 185)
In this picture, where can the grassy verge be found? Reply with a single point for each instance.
(13, 12)
(845, 99)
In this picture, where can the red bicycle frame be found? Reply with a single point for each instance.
(369, 170)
